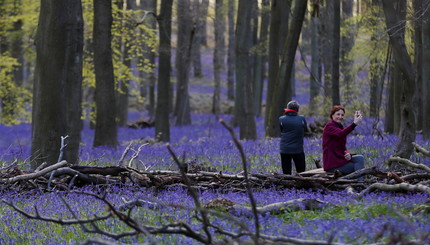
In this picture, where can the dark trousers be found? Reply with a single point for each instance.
(299, 162)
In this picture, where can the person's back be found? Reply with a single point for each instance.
(293, 128)
(292, 133)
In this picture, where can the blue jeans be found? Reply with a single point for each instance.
(356, 163)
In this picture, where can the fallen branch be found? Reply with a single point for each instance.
(421, 149)
(34, 175)
(409, 163)
(394, 188)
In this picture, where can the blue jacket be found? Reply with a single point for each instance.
(293, 128)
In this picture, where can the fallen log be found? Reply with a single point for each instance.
(34, 175)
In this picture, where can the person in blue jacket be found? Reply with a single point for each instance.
(293, 127)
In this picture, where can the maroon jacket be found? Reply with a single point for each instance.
(334, 144)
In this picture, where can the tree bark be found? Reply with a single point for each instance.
(58, 82)
(244, 113)
(231, 67)
(149, 79)
(418, 59)
(162, 125)
(347, 43)
(261, 57)
(122, 91)
(327, 19)
(377, 73)
(106, 132)
(183, 54)
(404, 146)
(278, 31)
(335, 55)
(219, 24)
(315, 76)
(200, 14)
(426, 71)
(282, 90)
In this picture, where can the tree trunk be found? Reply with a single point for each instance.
(418, 4)
(335, 55)
(327, 29)
(347, 43)
(278, 27)
(122, 85)
(200, 14)
(261, 57)
(58, 82)
(426, 71)
(244, 97)
(231, 67)
(219, 24)
(404, 146)
(377, 60)
(162, 125)
(149, 78)
(315, 76)
(183, 54)
(106, 132)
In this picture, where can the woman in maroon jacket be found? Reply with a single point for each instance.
(335, 154)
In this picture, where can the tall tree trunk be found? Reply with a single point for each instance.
(315, 76)
(418, 4)
(377, 60)
(335, 55)
(162, 125)
(278, 31)
(396, 77)
(122, 92)
(231, 67)
(261, 57)
(200, 14)
(404, 146)
(244, 97)
(183, 54)
(149, 78)
(347, 43)
(426, 71)
(106, 132)
(327, 29)
(219, 24)
(58, 82)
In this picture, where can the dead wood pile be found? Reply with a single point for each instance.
(62, 176)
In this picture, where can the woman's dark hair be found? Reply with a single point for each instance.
(335, 109)
(294, 105)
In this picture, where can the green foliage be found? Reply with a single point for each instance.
(14, 99)
(129, 44)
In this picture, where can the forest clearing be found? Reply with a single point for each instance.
(159, 122)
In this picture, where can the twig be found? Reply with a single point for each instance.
(136, 153)
(37, 216)
(63, 145)
(409, 163)
(124, 153)
(245, 173)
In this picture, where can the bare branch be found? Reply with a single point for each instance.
(124, 153)
(248, 186)
(396, 187)
(409, 163)
(37, 216)
(194, 195)
(421, 149)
